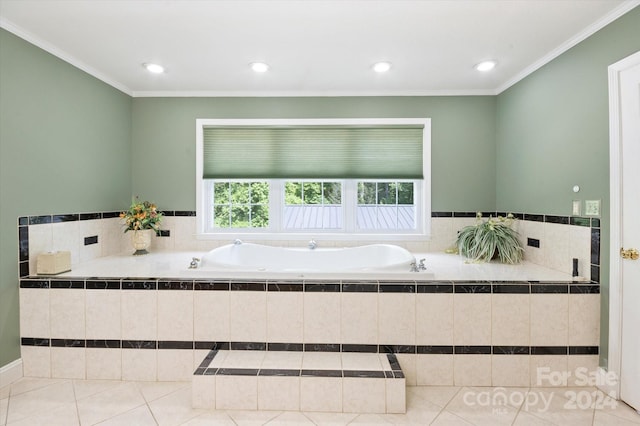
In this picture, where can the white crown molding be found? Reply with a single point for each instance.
(291, 94)
(582, 35)
(48, 47)
(55, 51)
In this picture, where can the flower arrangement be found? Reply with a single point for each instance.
(141, 215)
(491, 238)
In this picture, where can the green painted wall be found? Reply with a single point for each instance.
(553, 133)
(463, 141)
(65, 146)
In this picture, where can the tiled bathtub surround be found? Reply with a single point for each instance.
(444, 333)
(300, 381)
(558, 239)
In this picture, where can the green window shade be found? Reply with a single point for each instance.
(312, 152)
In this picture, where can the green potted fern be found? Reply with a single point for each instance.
(493, 238)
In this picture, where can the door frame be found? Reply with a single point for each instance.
(615, 194)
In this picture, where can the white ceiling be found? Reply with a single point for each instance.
(314, 47)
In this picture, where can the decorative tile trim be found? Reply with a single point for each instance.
(68, 343)
(248, 346)
(102, 284)
(285, 347)
(204, 370)
(382, 287)
(390, 350)
(75, 284)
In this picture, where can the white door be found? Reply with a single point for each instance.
(625, 260)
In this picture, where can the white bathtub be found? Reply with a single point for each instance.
(255, 257)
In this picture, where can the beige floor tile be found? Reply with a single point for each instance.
(604, 419)
(27, 384)
(618, 409)
(86, 388)
(438, 395)
(526, 419)
(447, 419)
(554, 406)
(370, 419)
(331, 419)
(154, 390)
(5, 391)
(211, 418)
(477, 406)
(290, 418)
(422, 414)
(4, 404)
(140, 416)
(39, 401)
(64, 415)
(110, 403)
(174, 408)
(251, 418)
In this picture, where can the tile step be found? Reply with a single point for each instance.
(300, 381)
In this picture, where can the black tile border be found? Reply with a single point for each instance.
(367, 286)
(390, 350)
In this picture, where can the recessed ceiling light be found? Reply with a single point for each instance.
(259, 66)
(154, 68)
(382, 66)
(486, 66)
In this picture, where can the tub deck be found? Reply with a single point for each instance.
(440, 266)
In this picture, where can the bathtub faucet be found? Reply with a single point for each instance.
(237, 242)
(312, 245)
(422, 266)
(414, 267)
(194, 263)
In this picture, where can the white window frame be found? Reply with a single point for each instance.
(422, 196)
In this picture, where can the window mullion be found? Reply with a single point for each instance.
(350, 204)
(276, 203)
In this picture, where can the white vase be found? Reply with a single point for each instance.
(141, 240)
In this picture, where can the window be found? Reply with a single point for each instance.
(386, 205)
(239, 204)
(312, 205)
(278, 178)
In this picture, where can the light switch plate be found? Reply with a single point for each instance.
(576, 210)
(592, 207)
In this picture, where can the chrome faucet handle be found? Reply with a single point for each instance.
(414, 267)
(194, 263)
(422, 266)
(237, 242)
(313, 244)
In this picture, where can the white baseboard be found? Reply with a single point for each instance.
(10, 373)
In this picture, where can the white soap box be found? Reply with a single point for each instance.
(53, 262)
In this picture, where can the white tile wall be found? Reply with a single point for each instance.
(550, 317)
(139, 314)
(211, 316)
(584, 319)
(511, 320)
(285, 317)
(559, 244)
(67, 309)
(34, 312)
(175, 315)
(248, 316)
(103, 314)
(322, 317)
(471, 319)
(397, 319)
(360, 318)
